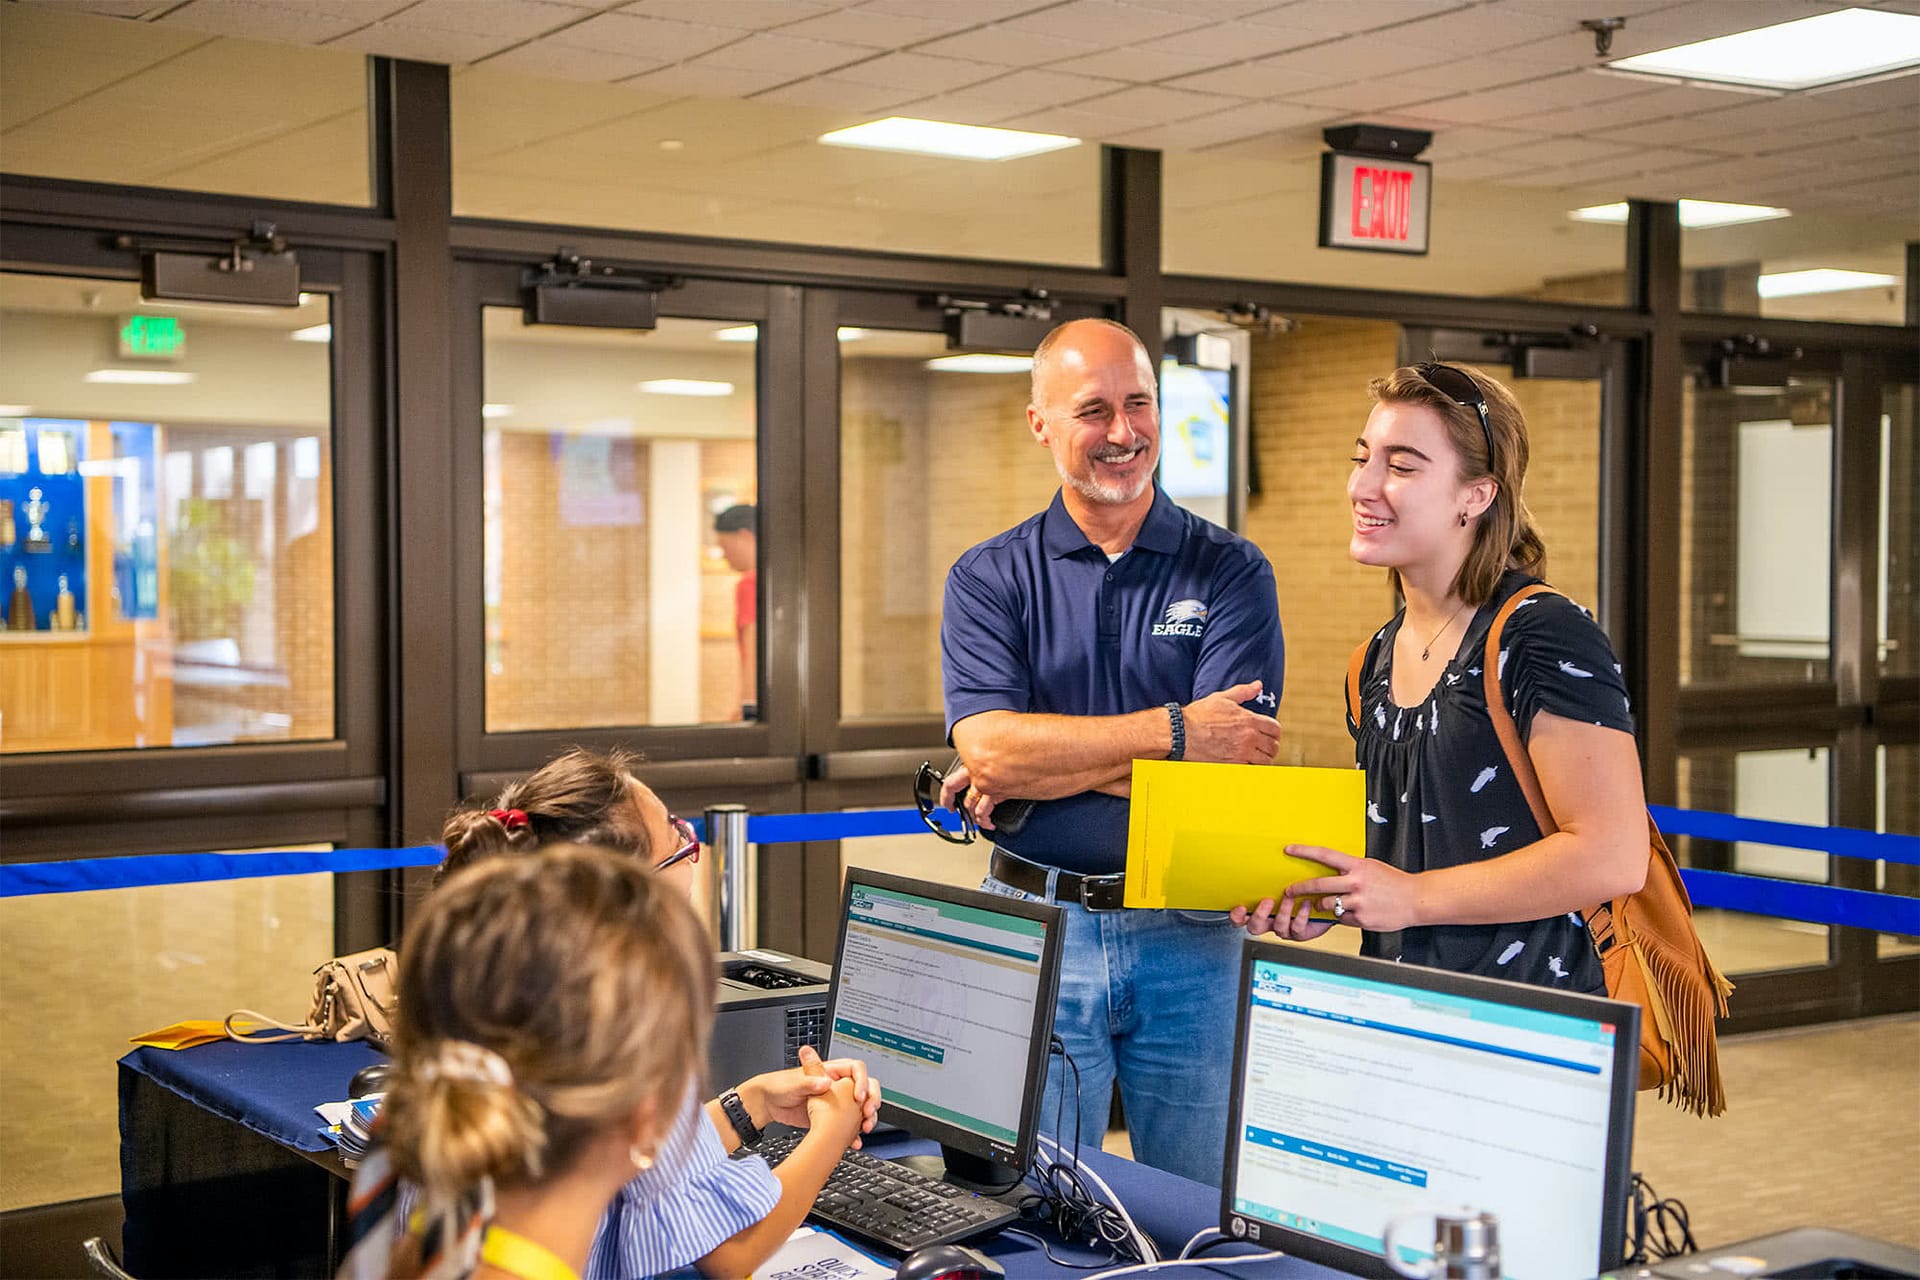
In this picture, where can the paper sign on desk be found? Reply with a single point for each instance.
(1206, 837)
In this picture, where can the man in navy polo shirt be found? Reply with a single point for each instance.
(1112, 627)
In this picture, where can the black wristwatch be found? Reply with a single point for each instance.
(737, 1116)
(1178, 718)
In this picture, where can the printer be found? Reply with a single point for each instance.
(771, 1003)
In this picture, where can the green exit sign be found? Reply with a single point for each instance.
(152, 338)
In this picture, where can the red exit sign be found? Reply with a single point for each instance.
(1374, 203)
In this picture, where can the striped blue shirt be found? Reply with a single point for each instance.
(690, 1202)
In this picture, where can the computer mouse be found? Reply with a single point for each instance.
(949, 1262)
(371, 1078)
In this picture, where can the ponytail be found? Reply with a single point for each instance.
(578, 797)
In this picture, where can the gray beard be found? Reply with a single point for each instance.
(1105, 495)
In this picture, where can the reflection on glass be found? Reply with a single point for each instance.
(1755, 529)
(175, 538)
(1899, 629)
(931, 462)
(1822, 266)
(1898, 809)
(609, 457)
(81, 972)
(1781, 786)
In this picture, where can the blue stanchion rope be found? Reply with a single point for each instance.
(1842, 842)
(1813, 903)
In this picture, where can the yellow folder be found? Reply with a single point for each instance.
(1206, 837)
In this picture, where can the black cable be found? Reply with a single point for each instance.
(1661, 1227)
(1062, 1198)
(1098, 1264)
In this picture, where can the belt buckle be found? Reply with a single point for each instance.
(1103, 893)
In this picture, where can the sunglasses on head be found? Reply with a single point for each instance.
(689, 850)
(1456, 386)
(926, 794)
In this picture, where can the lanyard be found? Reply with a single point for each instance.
(518, 1256)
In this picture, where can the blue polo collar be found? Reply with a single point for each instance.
(1163, 530)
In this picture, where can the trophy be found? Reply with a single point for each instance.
(65, 617)
(36, 509)
(20, 610)
(7, 530)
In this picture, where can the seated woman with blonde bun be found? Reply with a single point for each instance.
(553, 1012)
(696, 1206)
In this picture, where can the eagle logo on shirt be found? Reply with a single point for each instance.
(1183, 618)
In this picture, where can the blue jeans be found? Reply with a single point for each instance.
(1147, 997)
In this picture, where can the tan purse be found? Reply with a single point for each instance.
(354, 998)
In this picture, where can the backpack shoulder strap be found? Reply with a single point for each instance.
(1355, 665)
(1503, 725)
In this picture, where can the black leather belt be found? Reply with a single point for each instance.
(1095, 893)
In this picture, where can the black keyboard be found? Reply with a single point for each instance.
(889, 1205)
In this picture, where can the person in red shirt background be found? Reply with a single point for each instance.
(735, 529)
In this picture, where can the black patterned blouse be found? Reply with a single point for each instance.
(1440, 793)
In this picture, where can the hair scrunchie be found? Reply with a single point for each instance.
(465, 1060)
(512, 819)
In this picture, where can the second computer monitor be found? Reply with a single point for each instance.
(1366, 1092)
(948, 994)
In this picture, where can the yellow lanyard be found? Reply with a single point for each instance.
(518, 1256)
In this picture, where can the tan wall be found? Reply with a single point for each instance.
(1309, 402)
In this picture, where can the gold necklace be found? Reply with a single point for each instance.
(1428, 649)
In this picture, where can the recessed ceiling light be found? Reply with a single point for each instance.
(738, 333)
(685, 387)
(1694, 214)
(982, 362)
(847, 333)
(313, 333)
(1792, 284)
(495, 410)
(1833, 47)
(938, 138)
(148, 377)
(15, 410)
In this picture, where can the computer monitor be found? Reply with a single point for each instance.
(1365, 1092)
(948, 994)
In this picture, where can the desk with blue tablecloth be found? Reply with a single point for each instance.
(225, 1170)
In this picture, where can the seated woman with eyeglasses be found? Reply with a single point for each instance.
(553, 1012)
(695, 1205)
(1458, 874)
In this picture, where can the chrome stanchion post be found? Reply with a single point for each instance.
(727, 860)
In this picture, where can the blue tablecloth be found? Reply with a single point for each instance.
(271, 1089)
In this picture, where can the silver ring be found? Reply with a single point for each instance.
(1339, 907)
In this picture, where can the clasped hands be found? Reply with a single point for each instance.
(816, 1094)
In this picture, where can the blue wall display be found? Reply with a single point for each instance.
(64, 521)
(136, 519)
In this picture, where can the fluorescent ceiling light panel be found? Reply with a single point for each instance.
(685, 387)
(981, 363)
(847, 333)
(938, 138)
(1694, 214)
(313, 333)
(147, 377)
(496, 410)
(1833, 47)
(1794, 284)
(15, 410)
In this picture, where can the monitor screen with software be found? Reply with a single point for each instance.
(1365, 1091)
(948, 994)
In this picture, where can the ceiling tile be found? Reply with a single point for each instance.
(1558, 153)
(1235, 124)
(1254, 80)
(960, 108)
(1836, 133)
(1476, 169)
(1142, 63)
(765, 51)
(874, 27)
(264, 20)
(563, 62)
(709, 82)
(421, 44)
(521, 19)
(1344, 16)
(751, 15)
(1451, 143)
(972, 11)
(1364, 95)
(1090, 125)
(1572, 11)
(646, 37)
(1480, 30)
(832, 94)
(1900, 91)
(1454, 76)
(107, 8)
(1517, 102)
(1008, 46)
(1658, 104)
(1232, 41)
(1107, 22)
(1642, 160)
(1677, 24)
(1358, 57)
(1037, 87)
(1150, 104)
(920, 73)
